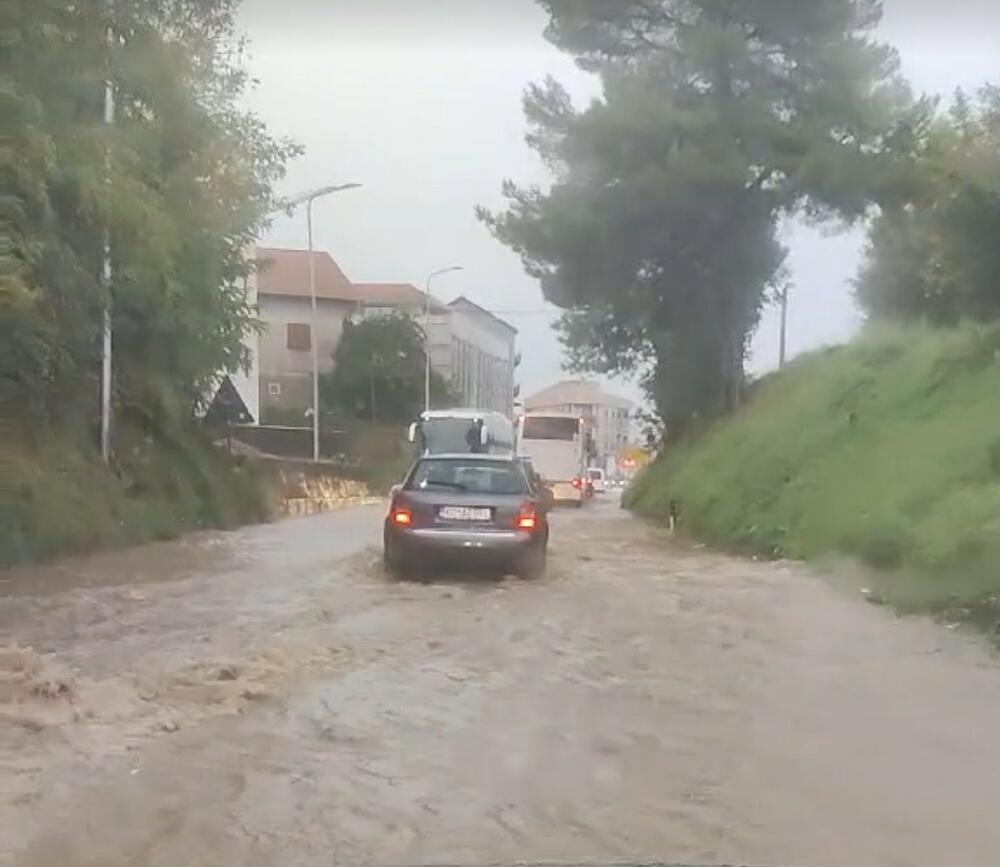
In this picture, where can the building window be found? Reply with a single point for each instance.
(298, 336)
(274, 389)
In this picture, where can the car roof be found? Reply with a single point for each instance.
(465, 456)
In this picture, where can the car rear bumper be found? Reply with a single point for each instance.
(444, 541)
(566, 492)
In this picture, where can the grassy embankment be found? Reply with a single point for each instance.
(57, 498)
(886, 450)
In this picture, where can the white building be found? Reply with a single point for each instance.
(476, 352)
(473, 350)
(608, 414)
(470, 347)
(284, 306)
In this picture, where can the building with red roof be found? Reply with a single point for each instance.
(468, 345)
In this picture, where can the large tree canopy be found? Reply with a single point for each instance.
(936, 255)
(718, 117)
(181, 183)
(379, 369)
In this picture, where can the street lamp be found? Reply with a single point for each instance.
(427, 331)
(290, 204)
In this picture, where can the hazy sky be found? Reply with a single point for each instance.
(420, 100)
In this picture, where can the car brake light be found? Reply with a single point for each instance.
(402, 517)
(577, 483)
(526, 519)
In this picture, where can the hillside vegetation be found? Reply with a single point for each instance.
(887, 450)
(170, 195)
(57, 498)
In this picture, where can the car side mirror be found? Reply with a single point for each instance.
(411, 434)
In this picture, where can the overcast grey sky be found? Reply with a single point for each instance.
(420, 100)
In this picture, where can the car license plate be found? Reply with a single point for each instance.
(463, 513)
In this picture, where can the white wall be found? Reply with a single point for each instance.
(288, 370)
(277, 311)
(248, 383)
(494, 374)
(470, 326)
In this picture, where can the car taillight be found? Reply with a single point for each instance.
(577, 483)
(526, 518)
(402, 517)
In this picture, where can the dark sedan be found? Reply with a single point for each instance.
(467, 509)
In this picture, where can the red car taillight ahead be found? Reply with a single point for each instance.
(401, 516)
(578, 483)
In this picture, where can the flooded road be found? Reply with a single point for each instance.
(267, 697)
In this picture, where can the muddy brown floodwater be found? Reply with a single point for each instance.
(267, 698)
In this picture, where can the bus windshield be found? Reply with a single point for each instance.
(551, 428)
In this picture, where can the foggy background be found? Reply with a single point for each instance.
(420, 100)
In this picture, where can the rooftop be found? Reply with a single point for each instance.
(283, 271)
(395, 295)
(575, 391)
(463, 303)
(286, 272)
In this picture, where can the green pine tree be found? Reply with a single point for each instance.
(718, 118)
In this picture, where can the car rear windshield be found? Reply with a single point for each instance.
(471, 476)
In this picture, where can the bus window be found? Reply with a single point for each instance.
(550, 428)
(450, 436)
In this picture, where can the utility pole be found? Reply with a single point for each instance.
(313, 336)
(106, 343)
(373, 364)
(427, 331)
(784, 326)
(307, 199)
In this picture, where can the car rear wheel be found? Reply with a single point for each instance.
(391, 561)
(534, 563)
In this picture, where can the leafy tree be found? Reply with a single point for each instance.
(181, 183)
(936, 255)
(379, 369)
(717, 118)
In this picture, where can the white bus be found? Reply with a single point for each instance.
(461, 431)
(556, 443)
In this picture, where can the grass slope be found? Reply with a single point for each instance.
(887, 450)
(56, 497)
